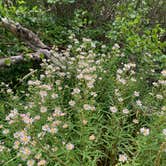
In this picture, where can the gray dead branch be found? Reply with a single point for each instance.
(29, 38)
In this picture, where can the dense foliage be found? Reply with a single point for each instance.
(104, 104)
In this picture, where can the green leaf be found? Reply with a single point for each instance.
(41, 56)
(8, 62)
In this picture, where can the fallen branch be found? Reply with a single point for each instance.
(19, 58)
(23, 58)
(27, 36)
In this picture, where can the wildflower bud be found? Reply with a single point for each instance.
(92, 137)
(84, 122)
(65, 126)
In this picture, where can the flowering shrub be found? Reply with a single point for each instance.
(93, 107)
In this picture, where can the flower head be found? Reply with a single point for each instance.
(145, 131)
(113, 109)
(92, 137)
(122, 158)
(69, 146)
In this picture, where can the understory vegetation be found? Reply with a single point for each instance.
(100, 99)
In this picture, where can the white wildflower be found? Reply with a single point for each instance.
(69, 146)
(113, 109)
(72, 103)
(125, 111)
(145, 131)
(122, 158)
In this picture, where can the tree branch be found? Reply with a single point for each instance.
(27, 36)
(18, 59)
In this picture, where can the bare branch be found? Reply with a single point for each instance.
(21, 58)
(18, 59)
(27, 36)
